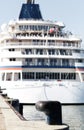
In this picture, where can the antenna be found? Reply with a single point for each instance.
(30, 1)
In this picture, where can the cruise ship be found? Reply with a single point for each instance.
(40, 60)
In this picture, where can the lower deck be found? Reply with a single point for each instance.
(15, 76)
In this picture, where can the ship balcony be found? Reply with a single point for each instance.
(19, 54)
(36, 56)
(23, 54)
(45, 34)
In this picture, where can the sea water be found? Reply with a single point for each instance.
(73, 115)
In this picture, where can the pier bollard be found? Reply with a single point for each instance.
(21, 109)
(4, 95)
(53, 111)
(0, 90)
(15, 104)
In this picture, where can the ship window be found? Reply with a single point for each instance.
(40, 27)
(27, 75)
(28, 51)
(20, 27)
(40, 62)
(80, 60)
(83, 76)
(35, 27)
(47, 75)
(39, 51)
(65, 62)
(3, 76)
(54, 76)
(29, 61)
(53, 62)
(8, 76)
(77, 51)
(62, 52)
(9, 49)
(17, 76)
(51, 51)
(40, 75)
(23, 27)
(68, 76)
(7, 40)
(12, 59)
(12, 49)
(20, 40)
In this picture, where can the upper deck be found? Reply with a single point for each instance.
(31, 26)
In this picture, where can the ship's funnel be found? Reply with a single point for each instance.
(30, 10)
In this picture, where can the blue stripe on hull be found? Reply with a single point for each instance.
(49, 67)
(26, 66)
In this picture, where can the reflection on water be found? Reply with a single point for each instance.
(71, 115)
(74, 116)
(30, 113)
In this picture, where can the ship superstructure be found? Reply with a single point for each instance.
(39, 60)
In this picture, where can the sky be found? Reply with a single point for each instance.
(70, 12)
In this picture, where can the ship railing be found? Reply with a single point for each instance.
(41, 45)
(71, 37)
(42, 33)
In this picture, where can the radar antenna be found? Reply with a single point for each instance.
(30, 1)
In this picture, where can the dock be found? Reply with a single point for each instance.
(10, 119)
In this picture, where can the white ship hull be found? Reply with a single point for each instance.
(40, 60)
(31, 92)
